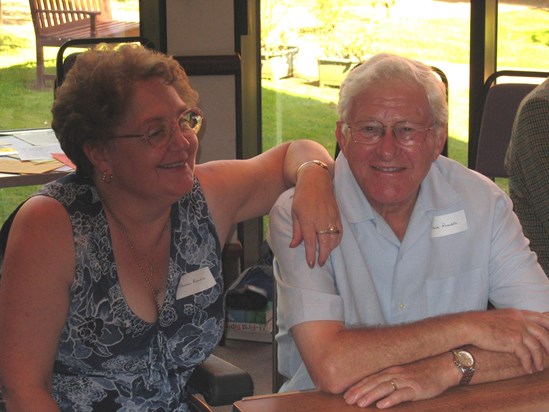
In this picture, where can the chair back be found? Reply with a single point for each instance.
(500, 107)
(49, 15)
(492, 129)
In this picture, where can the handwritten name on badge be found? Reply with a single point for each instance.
(195, 282)
(449, 224)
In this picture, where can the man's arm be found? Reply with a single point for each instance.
(430, 377)
(532, 148)
(337, 357)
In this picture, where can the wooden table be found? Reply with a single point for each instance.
(525, 394)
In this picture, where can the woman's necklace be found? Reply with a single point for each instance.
(147, 273)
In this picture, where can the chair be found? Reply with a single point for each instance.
(57, 21)
(64, 62)
(220, 383)
(493, 127)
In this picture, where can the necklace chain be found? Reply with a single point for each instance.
(148, 277)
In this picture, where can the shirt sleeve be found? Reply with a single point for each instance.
(516, 278)
(304, 293)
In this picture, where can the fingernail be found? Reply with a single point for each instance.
(311, 264)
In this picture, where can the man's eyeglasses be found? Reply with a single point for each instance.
(159, 133)
(405, 133)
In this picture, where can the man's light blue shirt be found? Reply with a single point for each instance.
(463, 248)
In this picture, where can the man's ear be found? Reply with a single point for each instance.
(441, 137)
(341, 137)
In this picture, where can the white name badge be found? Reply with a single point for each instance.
(195, 282)
(449, 224)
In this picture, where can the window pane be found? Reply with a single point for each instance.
(24, 103)
(523, 36)
(301, 103)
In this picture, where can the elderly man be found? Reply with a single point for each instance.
(399, 311)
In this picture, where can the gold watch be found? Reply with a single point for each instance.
(465, 362)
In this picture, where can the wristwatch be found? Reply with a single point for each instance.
(465, 362)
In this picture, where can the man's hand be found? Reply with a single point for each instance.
(424, 379)
(520, 332)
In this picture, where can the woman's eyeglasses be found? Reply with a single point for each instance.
(159, 133)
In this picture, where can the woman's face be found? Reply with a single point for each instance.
(138, 167)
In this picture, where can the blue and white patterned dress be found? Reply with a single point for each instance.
(110, 359)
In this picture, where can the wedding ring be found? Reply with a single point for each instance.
(394, 385)
(329, 231)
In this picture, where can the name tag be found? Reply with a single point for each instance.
(195, 282)
(449, 224)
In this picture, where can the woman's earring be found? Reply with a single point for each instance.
(107, 178)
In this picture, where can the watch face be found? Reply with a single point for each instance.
(465, 358)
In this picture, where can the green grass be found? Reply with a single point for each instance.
(22, 106)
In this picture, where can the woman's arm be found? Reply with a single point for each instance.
(37, 271)
(238, 190)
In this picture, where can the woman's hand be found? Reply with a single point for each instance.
(315, 214)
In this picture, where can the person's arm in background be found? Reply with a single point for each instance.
(238, 190)
(531, 148)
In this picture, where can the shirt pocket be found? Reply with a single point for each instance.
(458, 292)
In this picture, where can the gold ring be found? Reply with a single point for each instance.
(394, 385)
(330, 231)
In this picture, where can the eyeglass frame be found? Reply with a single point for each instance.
(378, 138)
(146, 136)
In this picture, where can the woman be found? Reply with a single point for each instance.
(111, 290)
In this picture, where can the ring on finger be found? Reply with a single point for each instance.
(394, 385)
(330, 231)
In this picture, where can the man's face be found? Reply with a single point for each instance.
(388, 172)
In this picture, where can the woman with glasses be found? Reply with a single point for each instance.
(111, 289)
(399, 311)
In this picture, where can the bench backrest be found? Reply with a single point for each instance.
(49, 15)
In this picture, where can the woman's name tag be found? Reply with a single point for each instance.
(195, 282)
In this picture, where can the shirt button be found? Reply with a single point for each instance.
(401, 306)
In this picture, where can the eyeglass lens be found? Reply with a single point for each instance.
(406, 133)
(160, 133)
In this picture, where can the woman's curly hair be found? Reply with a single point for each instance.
(97, 89)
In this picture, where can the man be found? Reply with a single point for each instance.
(527, 163)
(399, 310)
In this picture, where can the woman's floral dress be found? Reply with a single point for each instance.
(110, 359)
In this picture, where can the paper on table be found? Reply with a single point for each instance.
(38, 152)
(16, 166)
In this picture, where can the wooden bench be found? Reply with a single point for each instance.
(57, 21)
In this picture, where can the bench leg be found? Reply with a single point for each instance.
(40, 74)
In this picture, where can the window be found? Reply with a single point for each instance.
(26, 104)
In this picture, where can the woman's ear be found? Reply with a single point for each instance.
(97, 155)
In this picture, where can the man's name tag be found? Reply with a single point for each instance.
(449, 224)
(195, 282)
